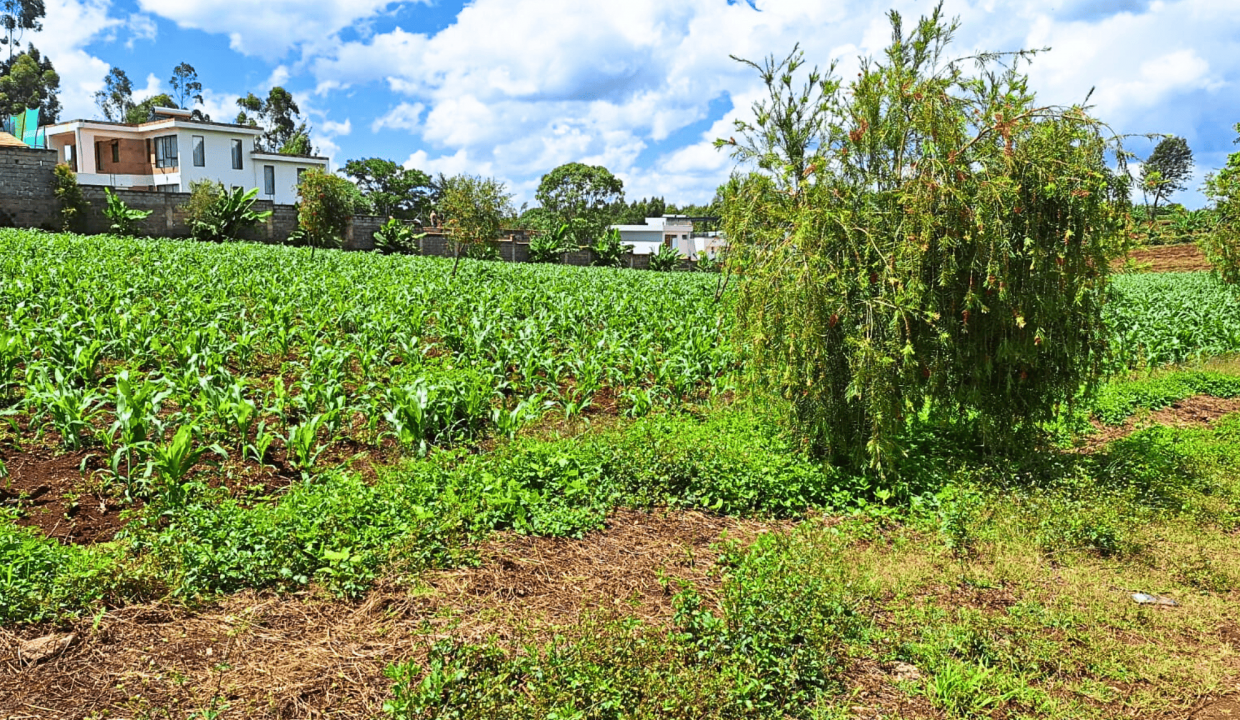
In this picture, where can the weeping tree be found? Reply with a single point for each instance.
(926, 241)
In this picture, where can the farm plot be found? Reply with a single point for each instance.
(339, 427)
(278, 358)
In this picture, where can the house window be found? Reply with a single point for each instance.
(236, 154)
(269, 179)
(116, 152)
(166, 151)
(200, 151)
(300, 172)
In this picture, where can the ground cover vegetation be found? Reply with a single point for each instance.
(997, 441)
(269, 421)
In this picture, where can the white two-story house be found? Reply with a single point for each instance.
(173, 151)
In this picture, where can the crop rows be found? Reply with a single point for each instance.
(1165, 318)
(155, 350)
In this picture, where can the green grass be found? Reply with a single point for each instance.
(1004, 580)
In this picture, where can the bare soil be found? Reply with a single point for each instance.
(51, 494)
(1196, 411)
(1227, 708)
(309, 655)
(1169, 258)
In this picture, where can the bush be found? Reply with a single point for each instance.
(326, 205)
(609, 249)
(124, 218)
(395, 237)
(897, 251)
(667, 258)
(1221, 243)
(550, 246)
(72, 203)
(473, 208)
(215, 214)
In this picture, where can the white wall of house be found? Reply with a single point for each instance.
(217, 157)
(285, 169)
(647, 238)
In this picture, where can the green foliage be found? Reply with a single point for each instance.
(42, 580)
(115, 100)
(948, 243)
(1117, 401)
(550, 246)
(184, 82)
(393, 190)
(473, 208)
(1167, 170)
(1222, 243)
(18, 16)
(215, 214)
(124, 218)
(69, 194)
(30, 81)
(280, 118)
(666, 259)
(326, 204)
(397, 238)
(1162, 318)
(708, 264)
(580, 195)
(609, 249)
(145, 111)
(774, 650)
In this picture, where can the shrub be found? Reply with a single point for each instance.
(548, 247)
(326, 205)
(474, 208)
(920, 238)
(609, 249)
(706, 263)
(72, 203)
(395, 237)
(124, 218)
(1221, 243)
(666, 259)
(215, 214)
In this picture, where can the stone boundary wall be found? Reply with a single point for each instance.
(27, 200)
(26, 197)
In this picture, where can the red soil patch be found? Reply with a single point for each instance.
(1227, 708)
(1196, 411)
(1169, 258)
(49, 492)
(261, 655)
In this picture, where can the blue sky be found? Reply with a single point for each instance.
(513, 88)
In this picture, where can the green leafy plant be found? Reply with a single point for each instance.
(609, 249)
(474, 208)
(920, 237)
(73, 204)
(215, 214)
(548, 247)
(1221, 243)
(395, 237)
(326, 204)
(124, 218)
(666, 259)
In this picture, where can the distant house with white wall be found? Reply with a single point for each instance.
(173, 151)
(668, 231)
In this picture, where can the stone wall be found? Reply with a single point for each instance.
(27, 200)
(26, 197)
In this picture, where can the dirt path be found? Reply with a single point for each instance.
(309, 655)
(1196, 411)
